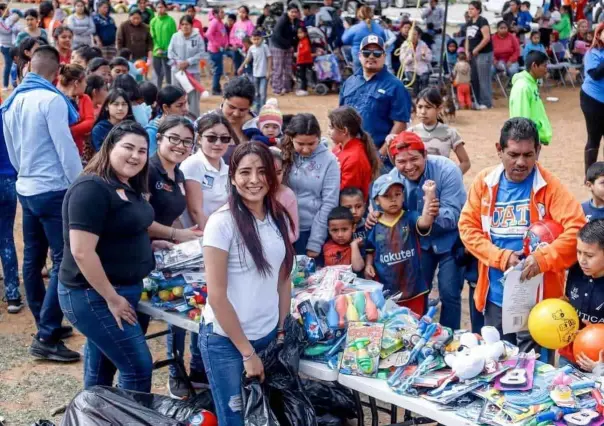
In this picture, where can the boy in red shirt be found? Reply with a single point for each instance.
(304, 60)
(342, 249)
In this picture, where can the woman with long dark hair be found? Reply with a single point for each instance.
(313, 173)
(82, 25)
(107, 254)
(248, 257)
(115, 109)
(592, 96)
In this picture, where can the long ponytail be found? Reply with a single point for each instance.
(365, 14)
(348, 118)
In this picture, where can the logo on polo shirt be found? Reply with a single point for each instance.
(208, 181)
(163, 186)
(574, 294)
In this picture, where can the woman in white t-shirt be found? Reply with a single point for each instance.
(206, 174)
(248, 257)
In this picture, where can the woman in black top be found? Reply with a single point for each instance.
(480, 50)
(283, 43)
(107, 254)
(175, 139)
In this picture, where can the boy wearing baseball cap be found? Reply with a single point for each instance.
(393, 249)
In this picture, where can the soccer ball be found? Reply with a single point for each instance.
(540, 234)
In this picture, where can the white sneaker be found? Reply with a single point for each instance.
(205, 94)
(482, 107)
(301, 93)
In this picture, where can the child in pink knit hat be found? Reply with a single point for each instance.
(270, 121)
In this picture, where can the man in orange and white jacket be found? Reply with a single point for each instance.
(502, 203)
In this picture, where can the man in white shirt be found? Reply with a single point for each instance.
(36, 122)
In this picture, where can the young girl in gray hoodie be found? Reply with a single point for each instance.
(311, 170)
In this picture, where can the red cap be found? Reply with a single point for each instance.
(406, 141)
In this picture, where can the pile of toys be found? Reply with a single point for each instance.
(352, 327)
(178, 282)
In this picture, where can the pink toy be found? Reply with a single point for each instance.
(371, 310)
(341, 306)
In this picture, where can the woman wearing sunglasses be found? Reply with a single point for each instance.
(206, 173)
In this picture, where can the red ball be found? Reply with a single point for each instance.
(590, 341)
(209, 419)
(541, 233)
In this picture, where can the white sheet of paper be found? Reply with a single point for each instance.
(184, 82)
(519, 297)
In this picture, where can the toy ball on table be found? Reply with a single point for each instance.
(590, 341)
(141, 64)
(539, 234)
(553, 323)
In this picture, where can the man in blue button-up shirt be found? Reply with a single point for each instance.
(378, 96)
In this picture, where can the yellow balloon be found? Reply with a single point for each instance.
(553, 323)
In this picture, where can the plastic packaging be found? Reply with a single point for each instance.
(101, 405)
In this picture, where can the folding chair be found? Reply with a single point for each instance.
(499, 81)
(558, 49)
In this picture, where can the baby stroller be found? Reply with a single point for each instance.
(326, 64)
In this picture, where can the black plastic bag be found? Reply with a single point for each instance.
(282, 385)
(257, 411)
(330, 398)
(101, 405)
(330, 420)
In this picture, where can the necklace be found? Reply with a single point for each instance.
(432, 129)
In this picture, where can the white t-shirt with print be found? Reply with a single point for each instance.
(254, 297)
(214, 183)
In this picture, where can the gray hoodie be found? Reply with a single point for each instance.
(190, 49)
(8, 29)
(316, 182)
(83, 30)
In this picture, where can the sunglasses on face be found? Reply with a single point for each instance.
(214, 138)
(375, 53)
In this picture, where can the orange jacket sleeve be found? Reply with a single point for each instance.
(83, 127)
(471, 233)
(564, 208)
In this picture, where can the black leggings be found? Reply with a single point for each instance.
(303, 70)
(593, 111)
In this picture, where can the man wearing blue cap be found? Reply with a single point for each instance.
(378, 96)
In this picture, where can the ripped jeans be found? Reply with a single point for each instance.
(224, 368)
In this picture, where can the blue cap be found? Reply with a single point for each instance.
(383, 183)
(372, 39)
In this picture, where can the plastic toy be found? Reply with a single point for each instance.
(581, 418)
(553, 323)
(371, 311)
(539, 234)
(203, 418)
(358, 299)
(341, 306)
(394, 380)
(378, 298)
(351, 312)
(332, 316)
(141, 64)
(589, 341)
(364, 362)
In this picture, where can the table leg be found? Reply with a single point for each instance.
(393, 414)
(375, 417)
(359, 406)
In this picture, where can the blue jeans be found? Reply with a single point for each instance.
(43, 228)
(108, 348)
(260, 83)
(509, 70)
(224, 367)
(476, 317)
(8, 63)
(450, 283)
(217, 69)
(8, 254)
(236, 57)
(176, 340)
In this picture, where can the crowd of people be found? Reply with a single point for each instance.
(108, 166)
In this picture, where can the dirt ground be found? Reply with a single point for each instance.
(31, 389)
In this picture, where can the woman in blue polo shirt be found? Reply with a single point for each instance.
(355, 34)
(592, 96)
